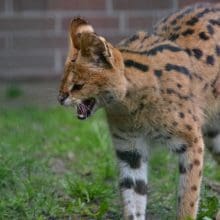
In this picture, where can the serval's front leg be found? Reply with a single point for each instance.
(132, 161)
(190, 168)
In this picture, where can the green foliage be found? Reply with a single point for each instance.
(13, 92)
(209, 206)
(53, 166)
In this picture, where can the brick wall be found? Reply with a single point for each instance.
(33, 32)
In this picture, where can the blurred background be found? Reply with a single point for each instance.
(33, 36)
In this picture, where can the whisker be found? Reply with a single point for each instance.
(103, 99)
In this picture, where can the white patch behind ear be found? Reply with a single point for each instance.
(84, 28)
(72, 51)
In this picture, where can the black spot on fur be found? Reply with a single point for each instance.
(181, 115)
(141, 106)
(188, 51)
(140, 187)
(195, 140)
(194, 118)
(147, 36)
(197, 53)
(199, 150)
(182, 168)
(173, 22)
(214, 22)
(184, 12)
(179, 69)
(158, 73)
(203, 36)
(202, 13)
(210, 29)
(131, 39)
(217, 49)
(164, 20)
(174, 123)
(179, 85)
(139, 66)
(197, 162)
(205, 87)
(189, 127)
(173, 37)
(134, 38)
(170, 91)
(210, 60)
(126, 183)
(181, 149)
(187, 32)
(133, 158)
(138, 214)
(192, 21)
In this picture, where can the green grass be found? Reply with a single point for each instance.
(53, 166)
(13, 92)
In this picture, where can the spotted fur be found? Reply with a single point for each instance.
(154, 88)
(196, 29)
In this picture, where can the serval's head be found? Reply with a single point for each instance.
(93, 73)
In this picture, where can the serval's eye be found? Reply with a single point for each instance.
(77, 87)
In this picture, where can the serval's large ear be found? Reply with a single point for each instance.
(77, 27)
(96, 49)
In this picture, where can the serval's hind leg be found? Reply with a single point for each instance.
(190, 168)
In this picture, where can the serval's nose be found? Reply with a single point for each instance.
(62, 97)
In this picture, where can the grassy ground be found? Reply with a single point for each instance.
(53, 166)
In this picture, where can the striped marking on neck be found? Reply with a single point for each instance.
(154, 50)
(137, 65)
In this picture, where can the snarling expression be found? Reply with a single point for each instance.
(93, 73)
